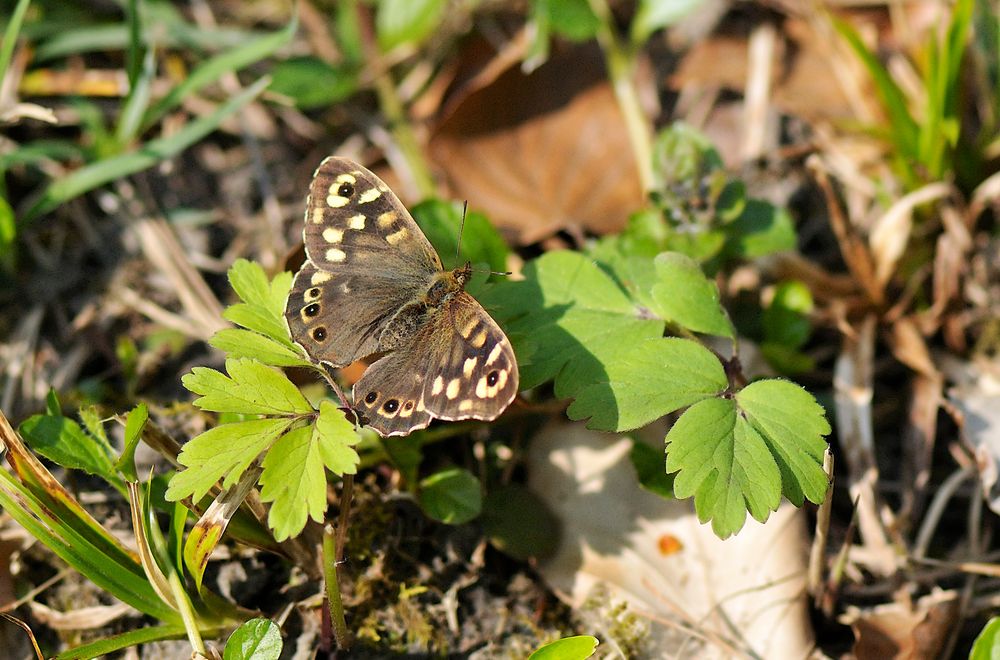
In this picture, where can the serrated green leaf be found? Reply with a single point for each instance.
(648, 380)
(336, 436)
(252, 286)
(252, 388)
(222, 453)
(683, 295)
(724, 463)
(240, 343)
(451, 496)
(64, 442)
(294, 481)
(95, 427)
(792, 424)
(258, 319)
(256, 639)
(401, 22)
(579, 647)
(786, 319)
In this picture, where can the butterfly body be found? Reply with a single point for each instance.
(372, 284)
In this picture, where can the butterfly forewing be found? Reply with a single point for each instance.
(372, 284)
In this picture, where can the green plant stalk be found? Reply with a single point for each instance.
(333, 599)
(620, 60)
(187, 614)
(10, 36)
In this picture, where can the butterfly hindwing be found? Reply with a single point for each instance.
(459, 366)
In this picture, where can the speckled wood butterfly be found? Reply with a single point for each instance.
(372, 285)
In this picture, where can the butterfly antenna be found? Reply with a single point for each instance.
(461, 229)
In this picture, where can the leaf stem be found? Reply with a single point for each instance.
(620, 60)
(334, 602)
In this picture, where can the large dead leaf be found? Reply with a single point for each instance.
(542, 152)
(704, 597)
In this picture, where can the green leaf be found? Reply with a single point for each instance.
(399, 22)
(987, 643)
(683, 295)
(786, 319)
(579, 647)
(792, 424)
(573, 19)
(256, 639)
(519, 524)
(8, 229)
(134, 424)
(252, 286)
(64, 442)
(451, 496)
(724, 463)
(648, 464)
(761, 229)
(294, 480)
(567, 305)
(251, 389)
(647, 380)
(240, 343)
(313, 83)
(336, 436)
(223, 452)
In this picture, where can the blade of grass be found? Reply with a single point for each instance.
(99, 173)
(901, 123)
(133, 54)
(109, 645)
(137, 101)
(10, 36)
(110, 573)
(212, 69)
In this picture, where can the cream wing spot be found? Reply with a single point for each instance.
(494, 354)
(317, 215)
(369, 195)
(357, 222)
(438, 385)
(320, 277)
(396, 237)
(386, 220)
(479, 339)
(344, 178)
(336, 256)
(331, 235)
(335, 201)
(469, 327)
(481, 388)
(453, 385)
(465, 405)
(469, 365)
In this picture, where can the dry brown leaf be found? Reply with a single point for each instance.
(897, 630)
(542, 152)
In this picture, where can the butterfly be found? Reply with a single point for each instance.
(372, 285)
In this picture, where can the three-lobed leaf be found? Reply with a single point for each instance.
(742, 453)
